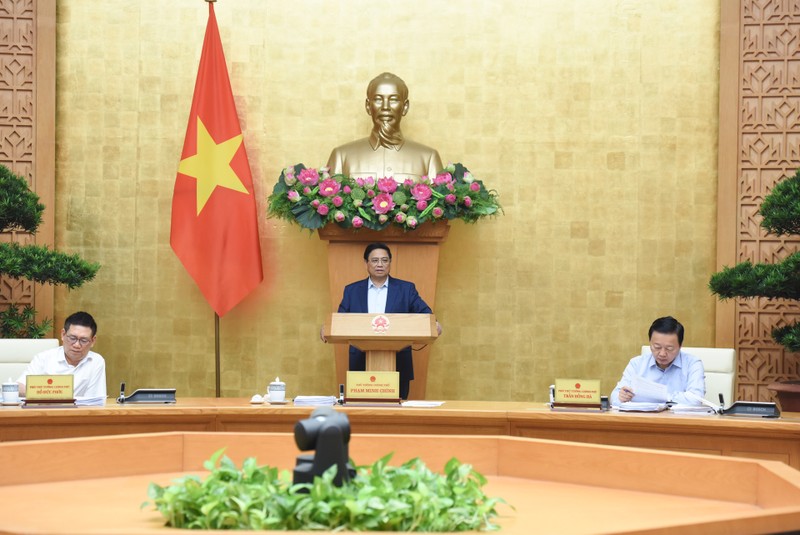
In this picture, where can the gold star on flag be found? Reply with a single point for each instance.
(211, 166)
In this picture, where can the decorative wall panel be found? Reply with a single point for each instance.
(19, 85)
(769, 149)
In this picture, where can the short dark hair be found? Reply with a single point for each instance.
(84, 319)
(377, 245)
(667, 325)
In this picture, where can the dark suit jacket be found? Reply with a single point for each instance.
(402, 298)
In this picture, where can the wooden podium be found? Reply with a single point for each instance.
(415, 258)
(381, 336)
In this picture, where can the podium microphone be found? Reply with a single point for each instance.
(121, 398)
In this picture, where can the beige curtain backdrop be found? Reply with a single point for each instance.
(596, 122)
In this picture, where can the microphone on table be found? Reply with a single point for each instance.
(121, 398)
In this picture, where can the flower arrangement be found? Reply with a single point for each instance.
(313, 198)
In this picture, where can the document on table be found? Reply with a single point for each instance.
(314, 401)
(646, 390)
(691, 409)
(703, 406)
(86, 401)
(642, 406)
(422, 403)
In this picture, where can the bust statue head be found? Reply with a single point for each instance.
(387, 103)
(386, 152)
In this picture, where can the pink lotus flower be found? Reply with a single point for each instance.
(467, 201)
(369, 181)
(306, 190)
(382, 203)
(383, 218)
(437, 212)
(421, 192)
(347, 190)
(360, 182)
(400, 217)
(309, 177)
(450, 198)
(442, 179)
(288, 176)
(408, 182)
(425, 180)
(315, 203)
(337, 201)
(293, 196)
(328, 187)
(404, 207)
(339, 216)
(370, 193)
(322, 209)
(357, 222)
(411, 221)
(475, 186)
(387, 185)
(421, 205)
(468, 178)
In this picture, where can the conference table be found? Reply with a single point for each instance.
(757, 438)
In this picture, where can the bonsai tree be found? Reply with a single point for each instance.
(20, 210)
(781, 216)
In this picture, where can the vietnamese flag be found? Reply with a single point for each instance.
(214, 218)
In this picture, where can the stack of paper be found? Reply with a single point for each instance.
(701, 402)
(85, 401)
(691, 409)
(642, 406)
(311, 401)
(422, 403)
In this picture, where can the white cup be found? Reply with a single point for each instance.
(10, 392)
(277, 390)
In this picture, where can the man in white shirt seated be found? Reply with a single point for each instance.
(73, 358)
(666, 364)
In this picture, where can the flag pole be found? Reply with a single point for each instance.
(216, 350)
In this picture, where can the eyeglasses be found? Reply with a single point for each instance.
(376, 261)
(74, 339)
(657, 348)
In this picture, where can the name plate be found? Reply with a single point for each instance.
(577, 393)
(372, 386)
(49, 387)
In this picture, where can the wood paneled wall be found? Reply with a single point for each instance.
(759, 143)
(27, 125)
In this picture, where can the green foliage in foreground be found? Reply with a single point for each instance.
(380, 498)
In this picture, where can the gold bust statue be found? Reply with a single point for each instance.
(386, 153)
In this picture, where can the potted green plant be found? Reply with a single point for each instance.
(780, 211)
(20, 210)
(380, 497)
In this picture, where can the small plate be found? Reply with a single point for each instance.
(9, 403)
(285, 402)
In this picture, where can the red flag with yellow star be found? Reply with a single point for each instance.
(214, 218)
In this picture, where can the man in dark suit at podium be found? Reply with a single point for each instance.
(381, 294)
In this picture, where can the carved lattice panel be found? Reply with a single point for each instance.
(769, 149)
(17, 119)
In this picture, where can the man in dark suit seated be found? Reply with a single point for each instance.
(381, 294)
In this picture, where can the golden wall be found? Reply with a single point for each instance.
(595, 121)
